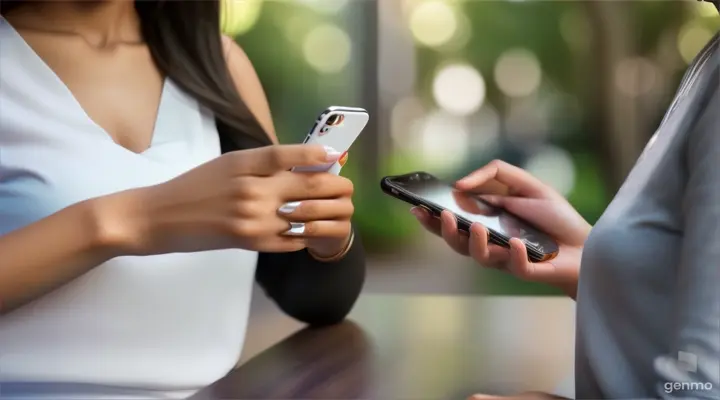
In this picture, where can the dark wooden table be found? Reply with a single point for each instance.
(408, 348)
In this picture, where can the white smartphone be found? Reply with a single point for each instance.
(337, 127)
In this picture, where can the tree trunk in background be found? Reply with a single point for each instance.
(615, 118)
(397, 66)
(367, 52)
(622, 124)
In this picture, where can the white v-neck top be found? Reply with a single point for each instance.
(134, 327)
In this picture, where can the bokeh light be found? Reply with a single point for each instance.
(239, 16)
(636, 76)
(462, 36)
(691, 39)
(554, 166)
(404, 120)
(444, 141)
(433, 23)
(705, 9)
(459, 89)
(327, 48)
(518, 73)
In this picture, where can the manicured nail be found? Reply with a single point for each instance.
(296, 229)
(332, 154)
(289, 208)
(343, 159)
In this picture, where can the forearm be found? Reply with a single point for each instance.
(314, 292)
(49, 253)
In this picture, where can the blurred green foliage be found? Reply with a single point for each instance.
(381, 219)
(297, 93)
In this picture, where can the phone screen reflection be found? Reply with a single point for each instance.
(474, 209)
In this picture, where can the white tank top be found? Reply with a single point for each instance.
(134, 327)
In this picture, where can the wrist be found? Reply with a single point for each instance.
(569, 284)
(331, 250)
(97, 238)
(116, 222)
(570, 289)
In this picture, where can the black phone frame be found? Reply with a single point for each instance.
(393, 189)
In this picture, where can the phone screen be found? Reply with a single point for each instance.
(475, 209)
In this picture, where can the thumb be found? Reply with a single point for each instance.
(524, 207)
(555, 219)
(269, 160)
(540, 213)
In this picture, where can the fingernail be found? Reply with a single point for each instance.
(416, 211)
(492, 199)
(343, 159)
(332, 154)
(296, 229)
(289, 208)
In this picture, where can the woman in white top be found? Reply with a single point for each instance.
(141, 184)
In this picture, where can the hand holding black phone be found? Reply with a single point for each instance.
(422, 189)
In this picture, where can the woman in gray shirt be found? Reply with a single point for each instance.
(648, 292)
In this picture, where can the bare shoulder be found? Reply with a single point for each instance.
(248, 84)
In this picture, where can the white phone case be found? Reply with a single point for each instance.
(339, 137)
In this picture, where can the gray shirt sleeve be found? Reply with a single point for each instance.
(693, 363)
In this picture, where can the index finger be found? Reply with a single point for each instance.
(516, 181)
(272, 159)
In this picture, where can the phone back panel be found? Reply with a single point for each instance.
(340, 136)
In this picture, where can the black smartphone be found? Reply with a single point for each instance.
(422, 189)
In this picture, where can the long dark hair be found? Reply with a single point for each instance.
(184, 39)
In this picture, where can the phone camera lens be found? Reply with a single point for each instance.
(335, 119)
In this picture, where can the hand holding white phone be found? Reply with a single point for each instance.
(338, 128)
